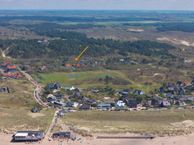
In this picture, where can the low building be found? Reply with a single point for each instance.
(85, 107)
(4, 90)
(53, 86)
(165, 103)
(120, 103)
(25, 136)
(138, 92)
(104, 106)
(61, 135)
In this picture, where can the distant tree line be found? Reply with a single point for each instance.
(185, 27)
(78, 18)
(67, 43)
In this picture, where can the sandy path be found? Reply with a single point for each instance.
(179, 140)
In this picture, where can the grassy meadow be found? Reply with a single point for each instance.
(87, 79)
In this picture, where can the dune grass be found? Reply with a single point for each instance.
(15, 108)
(156, 122)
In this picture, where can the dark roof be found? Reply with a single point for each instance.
(85, 107)
(104, 105)
(35, 110)
(53, 86)
(61, 135)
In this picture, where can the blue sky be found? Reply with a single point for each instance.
(99, 4)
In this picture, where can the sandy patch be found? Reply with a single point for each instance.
(35, 115)
(176, 41)
(135, 30)
(184, 124)
(2, 114)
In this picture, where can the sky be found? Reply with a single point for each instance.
(99, 4)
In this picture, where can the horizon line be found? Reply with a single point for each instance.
(93, 10)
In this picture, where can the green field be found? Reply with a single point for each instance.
(15, 108)
(156, 122)
(89, 79)
(83, 79)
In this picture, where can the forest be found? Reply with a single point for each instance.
(67, 43)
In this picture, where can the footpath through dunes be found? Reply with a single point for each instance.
(37, 89)
(37, 97)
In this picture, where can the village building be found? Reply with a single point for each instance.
(4, 90)
(104, 106)
(28, 136)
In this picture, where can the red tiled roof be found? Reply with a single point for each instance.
(68, 65)
(11, 67)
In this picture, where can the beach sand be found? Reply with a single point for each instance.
(5, 139)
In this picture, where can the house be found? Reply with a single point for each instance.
(187, 99)
(138, 92)
(35, 110)
(75, 104)
(165, 103)
(69, 104)
(180, 103)
(95, 91)
(104, 106)
(72, 88)
(11, 75)
(169, 95)
(59, 104)
(28, 136)
(131, 102)
(11, 68)
(181, 91)
(61, 113)
(120, 103)
(123, 93)
(51, 98)
(61, 135)
(85, 107)
(140, 107)
(179, 84)
(161, 90)
(192, 82)
(53, 86)
(4, 90)
(85, 100)
(59, 96)
(171, 88)
(156, 101)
